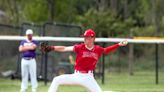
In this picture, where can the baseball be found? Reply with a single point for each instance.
(124, 42)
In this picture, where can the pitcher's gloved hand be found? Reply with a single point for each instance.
(49, 48)
(45, 48)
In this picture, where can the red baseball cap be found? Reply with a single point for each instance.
(89, 32)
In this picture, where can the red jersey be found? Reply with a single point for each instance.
(87, 59)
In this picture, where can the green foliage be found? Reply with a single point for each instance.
(147, 31)
(86, 12)
(106, 24)
(35, 11)
(67, 10)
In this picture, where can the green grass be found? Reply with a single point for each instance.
(140, 82)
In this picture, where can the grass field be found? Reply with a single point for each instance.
(140, 82)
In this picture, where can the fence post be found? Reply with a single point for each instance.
(156, 63)
(103, 67)
(131, 55)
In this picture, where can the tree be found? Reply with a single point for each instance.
(37, 14)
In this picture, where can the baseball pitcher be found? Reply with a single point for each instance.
(87, 55)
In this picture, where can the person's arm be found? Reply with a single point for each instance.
(111, 48)
(25, 48)
(63, 48)
(71, 60)
(114, 47)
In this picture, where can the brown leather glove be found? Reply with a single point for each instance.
(49, 48)
(45, 48)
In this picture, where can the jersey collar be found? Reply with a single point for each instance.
(28, 40)
(89, 48)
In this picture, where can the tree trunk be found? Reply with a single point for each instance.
(51, 4)
(156, 16)
(131, 46)
(113, 6)
(126, 13)
(16, 12)
(101, 4)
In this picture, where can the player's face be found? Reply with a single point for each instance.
(29, 36)
(89, 40)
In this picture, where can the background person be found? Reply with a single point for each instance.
(28, 63)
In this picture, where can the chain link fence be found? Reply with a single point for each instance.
(58, 63)
(8, 50)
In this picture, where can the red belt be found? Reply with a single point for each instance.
(83, 71)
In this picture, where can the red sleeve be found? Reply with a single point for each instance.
(75, 48)
(110, 48)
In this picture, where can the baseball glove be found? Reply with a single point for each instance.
(45, 48)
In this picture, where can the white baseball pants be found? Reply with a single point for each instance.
(28, 67)
(84, 79)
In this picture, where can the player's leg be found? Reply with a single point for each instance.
(90, 83)
(85, 80)
(93, 86)
(33, 74)
(69, 79)
(24, 74)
